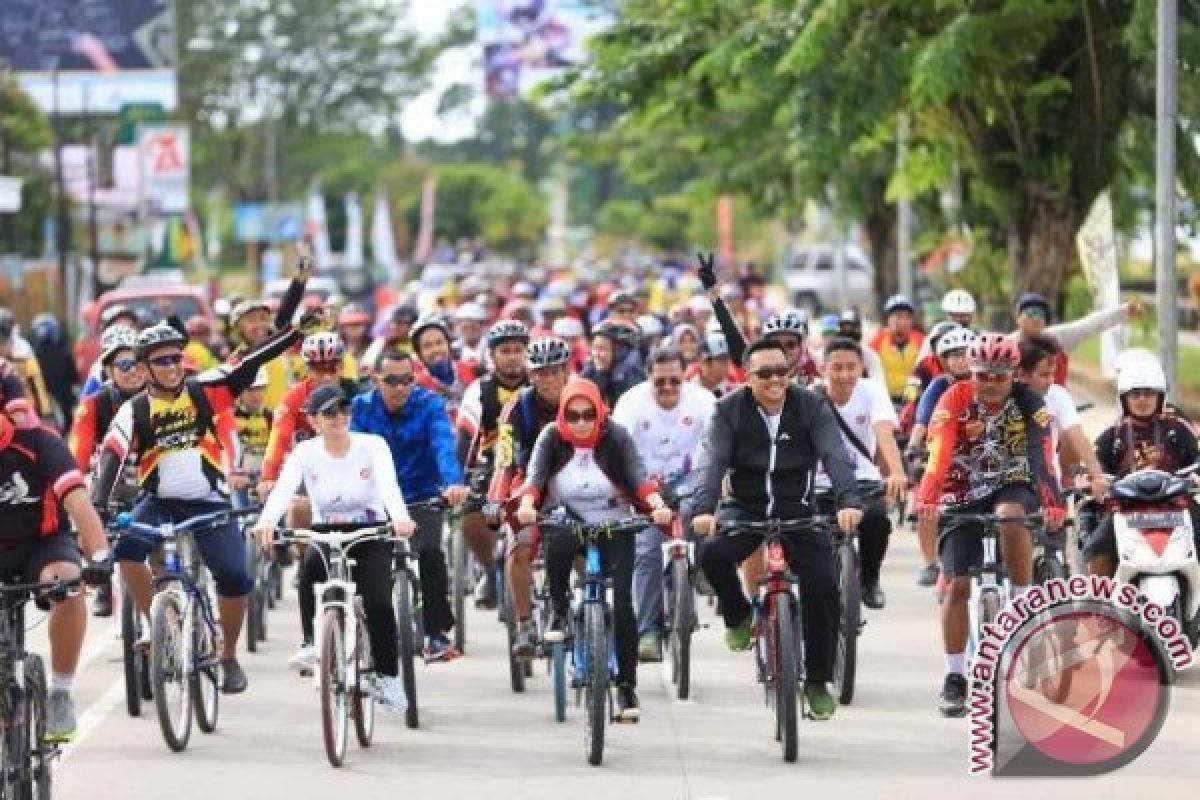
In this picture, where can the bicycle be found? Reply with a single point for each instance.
(135, 661)
(778, 627)
(679, 607)
(185, 640)
(409, 607)
(27, 757)
(346, 672)
(260, 599)
(593, 665)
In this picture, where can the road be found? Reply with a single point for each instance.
(477, 736)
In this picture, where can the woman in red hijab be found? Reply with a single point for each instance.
(590, 467)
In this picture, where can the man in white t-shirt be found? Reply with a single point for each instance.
(666, 418)
(867, 419)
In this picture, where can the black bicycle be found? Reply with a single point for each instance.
(27, 756)
(407, 601)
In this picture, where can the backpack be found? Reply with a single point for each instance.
(108, 400)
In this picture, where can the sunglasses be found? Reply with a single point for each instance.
(1034, 312)
(340, 410)
(167, 361)
(992, 376)
(588, 415)
(767, 373)
(125, 364)
(662, 383)
(326, 367)
(398, 380)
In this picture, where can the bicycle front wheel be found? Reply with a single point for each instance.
(783, 657)
(516, 666)
(406, 627)
(335, 716)
(459, 587)
(203, 676)
(845, 665)
(38, 777)
(683, 613)
(170, 653)
(595, 633)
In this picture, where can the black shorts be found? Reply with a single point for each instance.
(960, 544)
(24, 563)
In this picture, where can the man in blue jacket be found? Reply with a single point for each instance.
(416, 426)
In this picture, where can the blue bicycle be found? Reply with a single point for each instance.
(590, 637)
(185, 641)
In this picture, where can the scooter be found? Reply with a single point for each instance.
(1155, 548)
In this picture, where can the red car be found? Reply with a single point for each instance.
(183, 300)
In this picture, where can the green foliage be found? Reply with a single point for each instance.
(24, 132)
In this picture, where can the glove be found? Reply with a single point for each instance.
(99, 571)
(707, 272)
(311, 321)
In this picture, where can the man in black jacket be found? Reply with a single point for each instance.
(769, 436)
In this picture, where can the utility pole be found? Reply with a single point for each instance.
(903, 219)
(1164, 207)
(63, 233)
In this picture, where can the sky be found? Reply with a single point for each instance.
(420, 121)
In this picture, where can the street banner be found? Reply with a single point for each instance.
(428, 213)
(316, 230)
(352, 257)
(383, 239)
(164, 153)
(1097, 243)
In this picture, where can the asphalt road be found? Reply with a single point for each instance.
(479, 737)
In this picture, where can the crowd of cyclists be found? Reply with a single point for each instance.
(665, 393)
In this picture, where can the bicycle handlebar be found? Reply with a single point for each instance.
(817, 522)
(54, 590)
(334, 538)
(632, 524)
(126, 526)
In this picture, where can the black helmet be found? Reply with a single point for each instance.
(618, 332)
(507, 330)
(549, 351)
(157, 337)
(850, 324)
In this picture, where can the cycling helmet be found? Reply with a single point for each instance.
(471, 312)
(650, 325)
(939, 330)
(548, 351)
(618, 332)
(426, 322)
(157, 337)
(993, 351)
(507, 330)
(621, 298)
(716, 346)
(354, 314)
(793, 321)
(898, 302)
(1141, 373)
(568, 327)
(322, 348)
(958, 338)
(114, 340)
(958, 301)
(850, 324)
(112, 312)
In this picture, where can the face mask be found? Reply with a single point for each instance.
(442, 370)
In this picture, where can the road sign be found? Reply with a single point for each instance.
(132, 115)
(165, 155)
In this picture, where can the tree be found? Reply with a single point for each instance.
(24, 132)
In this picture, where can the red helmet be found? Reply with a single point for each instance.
(322, 348)
(993, 351)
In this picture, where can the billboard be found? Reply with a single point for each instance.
(102, 54)
(526, 41)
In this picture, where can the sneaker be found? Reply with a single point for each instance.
(628, 709)
(60, 716)
(740, 638)
(485, 593)
(440, 648)
(525, 646)
(103, 606)
(928, 574)
(820, 702)
(650, 648)
(390, 692)
(873, 597)
(952, 702)
(305, 659)
(233, 679)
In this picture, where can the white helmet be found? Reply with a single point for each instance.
(958, 301)
(958, 338)
(1141, 373)
(471, 312)
(650, 325)
(568, 327)
(1132, 356)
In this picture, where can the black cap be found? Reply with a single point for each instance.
(324, 397)
(1032, 300)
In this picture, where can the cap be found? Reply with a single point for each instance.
(323, 397)
(1032, 300)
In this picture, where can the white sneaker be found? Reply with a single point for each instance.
(305, 659)
(391, 694)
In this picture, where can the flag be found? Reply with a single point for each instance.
(1097, 243)
(428, 213)
(316, 230)
(383, 241)
(352, 258)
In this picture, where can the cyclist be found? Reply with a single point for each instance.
(477, 428)
(126, 376)
(768, 436)
(651, 332)
(928, 367)
(864, 413)
(714, 372)
(570, 330)
(898, 344)
(354, 326)
(685, 340)
(183, 457)
(39, 481)
(16, 350)
(615, 364)
(959, 307)
(350, 481)
(437, 369)
(469, 320)
(666, 418)
(254, 422)
(623, 307)
(850, 326)
(55, 363)
(1147, 435)
(592, 468)
(1033, 314)
(989, 452)
(414, 422)
(252, 325)
(521, 421)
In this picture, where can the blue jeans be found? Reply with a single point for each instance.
(222, 549)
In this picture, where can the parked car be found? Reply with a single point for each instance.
(150, 299)
(812, 280)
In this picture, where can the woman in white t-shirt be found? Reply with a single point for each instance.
(350, 480)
